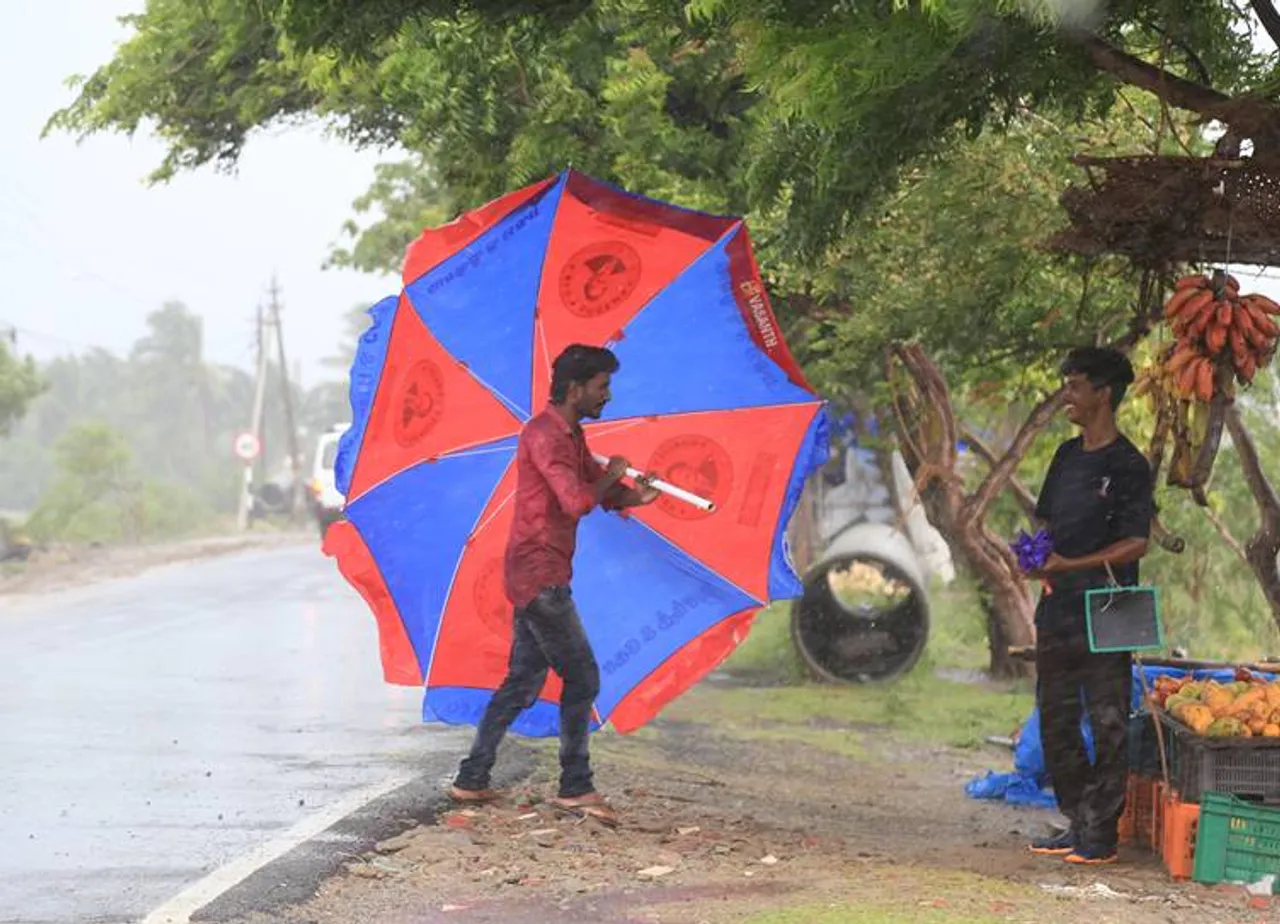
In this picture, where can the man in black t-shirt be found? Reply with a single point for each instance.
(1097, 503)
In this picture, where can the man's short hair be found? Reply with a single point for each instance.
(579, 364)
(1103, 367)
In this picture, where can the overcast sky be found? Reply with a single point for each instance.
(87, 249)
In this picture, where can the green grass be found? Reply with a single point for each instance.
(920, 706)
(957, 639)
(767, 653)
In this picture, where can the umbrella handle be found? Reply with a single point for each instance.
(679, 493)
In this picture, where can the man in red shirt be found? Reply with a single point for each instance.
(558, 482)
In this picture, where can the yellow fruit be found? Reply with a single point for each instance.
(1198, 718)
(1218, 700)
(1244, 702)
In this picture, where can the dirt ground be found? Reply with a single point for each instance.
(62, 566)
(762, 822)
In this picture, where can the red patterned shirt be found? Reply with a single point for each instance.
(555, 488)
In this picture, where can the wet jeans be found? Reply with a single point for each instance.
(547, 634)
(1092, 796)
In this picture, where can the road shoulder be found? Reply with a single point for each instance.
(66, 567)
(734, 811)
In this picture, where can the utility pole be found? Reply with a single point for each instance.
(295, 456)
(256, 422)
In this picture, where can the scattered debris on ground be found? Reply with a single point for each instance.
(756, 823)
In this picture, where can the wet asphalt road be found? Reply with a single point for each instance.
(154, 728)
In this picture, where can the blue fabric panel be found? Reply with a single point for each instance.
(689, 349)
(480, 302)
(641, 600)
(416, 526)
(366, 373)
(784, 583)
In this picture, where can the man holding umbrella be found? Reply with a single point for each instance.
(558, 483)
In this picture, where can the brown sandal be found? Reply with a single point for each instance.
(474, 796)
(589, 805)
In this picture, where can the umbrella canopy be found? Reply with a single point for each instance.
(708, 396)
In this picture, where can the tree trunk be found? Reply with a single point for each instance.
(1262, 550)
(927, 430)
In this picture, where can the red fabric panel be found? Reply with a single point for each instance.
(753, 302)
(427, 405)
(436, 245)
(400, 665)
(740, 460)
(609, 254)
(475, 630)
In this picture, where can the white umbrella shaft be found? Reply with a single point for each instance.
(679, 493)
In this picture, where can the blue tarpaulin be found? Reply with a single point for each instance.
(1028, 784)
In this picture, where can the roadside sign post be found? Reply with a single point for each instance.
(247, 448)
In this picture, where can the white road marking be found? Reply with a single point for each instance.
(178, 910)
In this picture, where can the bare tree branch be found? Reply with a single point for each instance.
(1262, 549)
(1021, 493)
(976, 506)
(1269, 16)
(1225, 532)
(1254, 476)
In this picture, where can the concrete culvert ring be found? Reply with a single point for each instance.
(861, 619)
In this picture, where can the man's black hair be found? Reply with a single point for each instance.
(1103, 367)
(579, 364)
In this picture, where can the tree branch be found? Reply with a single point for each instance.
(1225, 532)
(1263, 493)
(1026, 500)
(1183, 93)
(1269, 17)
(977, 504)
(1262, 549)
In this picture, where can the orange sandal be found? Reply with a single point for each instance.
(589, 805)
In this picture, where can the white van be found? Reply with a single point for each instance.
(326, 499)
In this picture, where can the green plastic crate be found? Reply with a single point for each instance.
(1237, 841)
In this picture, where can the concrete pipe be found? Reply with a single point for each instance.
(864, 615)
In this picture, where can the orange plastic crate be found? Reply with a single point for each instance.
(1179, 822)
(1140, 822)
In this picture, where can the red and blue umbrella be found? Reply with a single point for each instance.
(708, 397)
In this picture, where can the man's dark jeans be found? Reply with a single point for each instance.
(1092, 796)
(547, 633)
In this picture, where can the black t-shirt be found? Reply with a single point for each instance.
(1093, 499)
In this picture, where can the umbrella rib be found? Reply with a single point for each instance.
(457, 566)
(599, 428)
(481, 527)
(538, 333)
(462, 452)
(474, 449)
(510, 405)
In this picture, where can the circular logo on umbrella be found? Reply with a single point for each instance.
(419, 403)
(490, 600)
(599, 278)
(695, 463)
